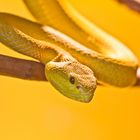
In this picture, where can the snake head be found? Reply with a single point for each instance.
(72, 79)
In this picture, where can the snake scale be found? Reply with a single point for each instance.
(76, 53)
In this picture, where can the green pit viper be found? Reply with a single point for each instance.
(75, 51)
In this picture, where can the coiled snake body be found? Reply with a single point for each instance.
(69, 64)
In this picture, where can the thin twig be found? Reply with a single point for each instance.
(138, 78)
(133, 4)
(19, 68)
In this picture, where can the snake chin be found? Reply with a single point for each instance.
(72, 79)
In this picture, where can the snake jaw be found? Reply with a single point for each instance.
(72, 79)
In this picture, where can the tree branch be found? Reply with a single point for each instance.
(19, 68)
(138, 77)
(133, 4)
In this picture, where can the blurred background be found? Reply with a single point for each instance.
(32, 110)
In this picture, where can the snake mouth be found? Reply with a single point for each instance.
(85, 98)
(81, 96)
(88, 98)
(88, 95)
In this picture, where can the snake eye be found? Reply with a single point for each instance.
(72, 79)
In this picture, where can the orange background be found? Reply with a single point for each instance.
(32, 110)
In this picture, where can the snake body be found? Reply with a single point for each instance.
(69, 64)
(63, 71)
(113, 59)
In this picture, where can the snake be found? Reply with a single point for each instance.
(77, 53)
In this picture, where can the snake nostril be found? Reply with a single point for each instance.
(78, 87)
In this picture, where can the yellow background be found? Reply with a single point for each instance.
(36, 111)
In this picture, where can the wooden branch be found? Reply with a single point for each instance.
(133, 4)
(19, 68)
(138, 77)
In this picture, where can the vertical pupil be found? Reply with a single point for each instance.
(72, 80)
